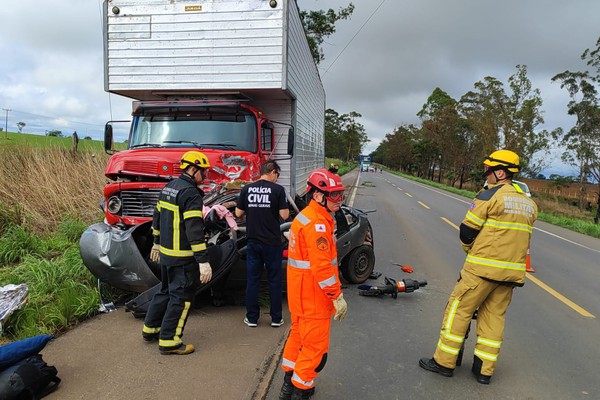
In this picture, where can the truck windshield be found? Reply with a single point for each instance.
(208, 127)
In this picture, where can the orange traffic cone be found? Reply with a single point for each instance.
(528, 266)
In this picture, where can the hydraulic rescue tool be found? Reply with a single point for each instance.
(391, 286)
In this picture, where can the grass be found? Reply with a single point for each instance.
(344, 166)
(41, 141)
(551, 210)
(61, 290)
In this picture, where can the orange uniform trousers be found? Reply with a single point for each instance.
(306, 349)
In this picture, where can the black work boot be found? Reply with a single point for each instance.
(287, 388)
(430, 365)
(476, 369)
(302, 394)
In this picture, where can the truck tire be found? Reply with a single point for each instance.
(358, 265)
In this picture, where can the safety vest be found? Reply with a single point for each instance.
(504, 216)
(177, 224)
(312, 268)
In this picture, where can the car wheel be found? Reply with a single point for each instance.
(358, 265)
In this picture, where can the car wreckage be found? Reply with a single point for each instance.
(120, 257)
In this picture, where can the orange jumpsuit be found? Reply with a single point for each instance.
(312, 285)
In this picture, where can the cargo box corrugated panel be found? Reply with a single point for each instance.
(186, 46)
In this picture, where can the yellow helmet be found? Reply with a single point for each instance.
(194, 158)
(503, 159)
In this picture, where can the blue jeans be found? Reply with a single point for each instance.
(270, 257)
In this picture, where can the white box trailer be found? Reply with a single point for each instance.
(251, 49)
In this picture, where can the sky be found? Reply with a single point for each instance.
(382, 63)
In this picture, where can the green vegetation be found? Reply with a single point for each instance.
(345, 166)
(61, 289)
(66, 142)
(552, 215)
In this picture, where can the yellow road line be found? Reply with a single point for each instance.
(408, 194)
(547, 288)
(450, 223)
(559, 296)
(423, 204)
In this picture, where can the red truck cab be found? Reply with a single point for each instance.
(236, 137)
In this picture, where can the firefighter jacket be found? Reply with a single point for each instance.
(178, 225)
(312, 268)
(503, 215)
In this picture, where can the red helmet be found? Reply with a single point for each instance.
(326, 182)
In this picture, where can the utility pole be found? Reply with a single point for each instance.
(6, 123)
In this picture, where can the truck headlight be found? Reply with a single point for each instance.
(114, 205)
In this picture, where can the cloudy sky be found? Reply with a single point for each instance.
(383, 63)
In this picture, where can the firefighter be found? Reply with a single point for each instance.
(178, 230)
(313, 286)
(495, 235)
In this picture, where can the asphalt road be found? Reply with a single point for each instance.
(551, 346)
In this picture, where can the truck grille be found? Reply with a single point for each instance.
(139, 203)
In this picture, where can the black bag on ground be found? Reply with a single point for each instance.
(29, 379)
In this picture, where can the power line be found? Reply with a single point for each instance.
(355, 35)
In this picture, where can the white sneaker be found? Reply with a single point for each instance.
(250, 324)
(277, 324)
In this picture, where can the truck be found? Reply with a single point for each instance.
(234, 79)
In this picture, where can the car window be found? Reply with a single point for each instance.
(523, 187)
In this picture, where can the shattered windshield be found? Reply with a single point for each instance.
(229, 128)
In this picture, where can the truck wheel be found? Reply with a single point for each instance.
(358, 265)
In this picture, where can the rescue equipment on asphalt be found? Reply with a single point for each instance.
(392, 287)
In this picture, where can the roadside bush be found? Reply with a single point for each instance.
(16, 243)
(61, 293)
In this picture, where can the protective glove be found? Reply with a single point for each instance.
(205, 272)
(155, 253)
(466, 247)
(340, 308)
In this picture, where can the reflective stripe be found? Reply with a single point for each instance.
(448, 349)
(176, 234)
(298, 263)
(328, 282)
(198, 247)
(334, 262)
(170, 343)
(489, 342)
(176, 253)
(486, 356)
(451, 337)
(496, 263)
(184, 313)
(299, 380)
(147, 329)
(155, 232)
(474, 218)
(303, 219)
(192, 214)
(287, 363)
(509, 225)
(451, 315)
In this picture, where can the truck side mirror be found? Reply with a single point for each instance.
(291, 141)
(108, 139)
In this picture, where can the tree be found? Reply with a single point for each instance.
(583, 140)
(20, 126)
(55, 133)
(319, 25)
